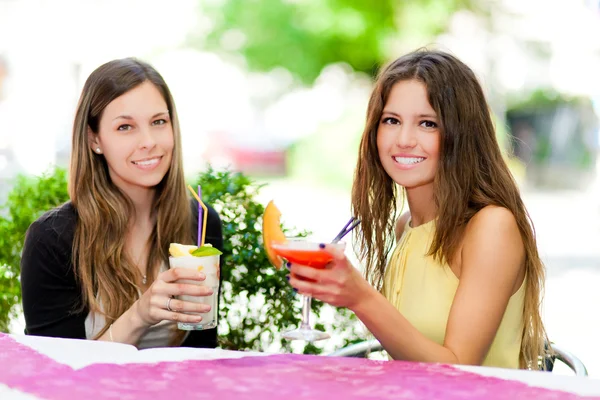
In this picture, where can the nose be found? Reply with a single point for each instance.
(147, 139)
(406, 137)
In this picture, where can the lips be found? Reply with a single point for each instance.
(406, 160)
(148, 162)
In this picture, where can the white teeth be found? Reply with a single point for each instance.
(147, 162)
(408, 160)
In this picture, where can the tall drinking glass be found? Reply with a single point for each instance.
(209, 265)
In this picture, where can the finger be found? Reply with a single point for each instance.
(179, 317)
(169, 304)
(323, 276)
(187, 306)
(158, 311)
(308, 288)
(178, 289)
(175, 274)
(304, 272)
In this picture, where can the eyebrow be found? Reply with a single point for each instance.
(130, 117)
(432, 116)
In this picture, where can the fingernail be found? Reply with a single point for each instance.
(288, 265)
(201, 275)
(321, 245)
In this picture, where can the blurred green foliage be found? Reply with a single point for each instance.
(540, 99)
(29, 198)
(303, 36)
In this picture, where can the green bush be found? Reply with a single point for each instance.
(256, 300)
(29, 198)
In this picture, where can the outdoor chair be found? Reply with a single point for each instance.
(363, 349)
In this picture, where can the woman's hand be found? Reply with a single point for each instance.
(339, 284)
(157, 303)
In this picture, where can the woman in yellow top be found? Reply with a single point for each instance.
(463, 283)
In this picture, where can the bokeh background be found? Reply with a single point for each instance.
(278, 89)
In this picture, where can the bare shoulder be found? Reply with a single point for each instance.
(401, 224)
(492, 219)
(493, 239)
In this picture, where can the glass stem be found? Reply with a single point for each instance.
(306, 313)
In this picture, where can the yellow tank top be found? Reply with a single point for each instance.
(423, 290)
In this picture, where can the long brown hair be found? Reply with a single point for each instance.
(472, 174)
(102, 265)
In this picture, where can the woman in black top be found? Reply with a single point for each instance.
(97, 266)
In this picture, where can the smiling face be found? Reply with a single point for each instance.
(135, 136)
(408, 136)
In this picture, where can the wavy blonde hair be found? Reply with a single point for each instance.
(472, 174)
(102, 265)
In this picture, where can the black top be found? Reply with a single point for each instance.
(51, 293)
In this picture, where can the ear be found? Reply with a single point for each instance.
(93, 141)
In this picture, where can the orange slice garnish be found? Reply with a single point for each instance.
(272, 233)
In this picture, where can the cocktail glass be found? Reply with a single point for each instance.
(304, 252)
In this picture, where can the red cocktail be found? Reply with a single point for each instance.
(303, 252)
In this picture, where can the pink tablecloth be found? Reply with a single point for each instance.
(271, 377)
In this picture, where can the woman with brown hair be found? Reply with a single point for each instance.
(97, 266)
(463, 282)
